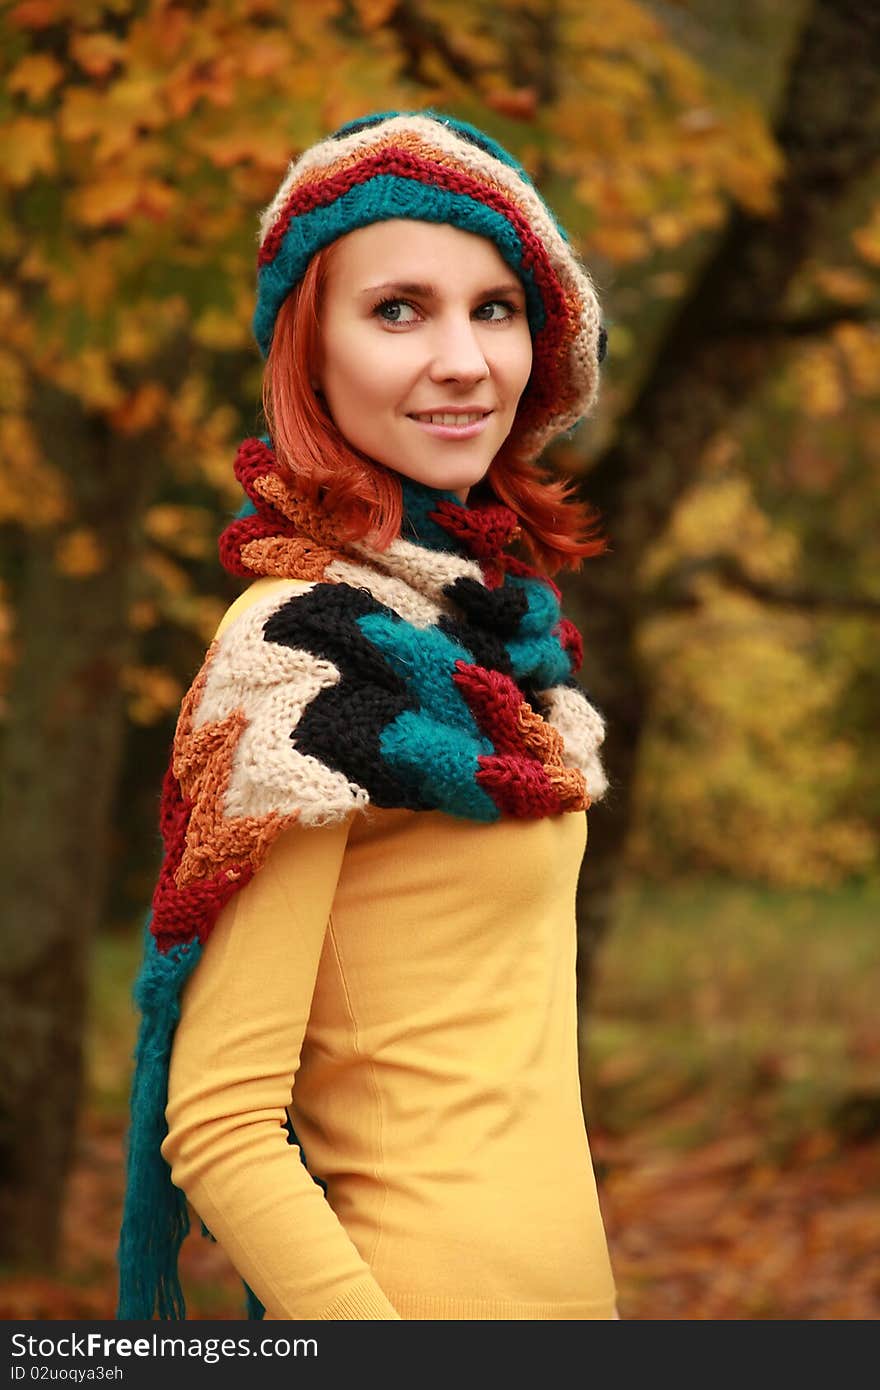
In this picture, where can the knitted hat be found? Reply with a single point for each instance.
(431, 168)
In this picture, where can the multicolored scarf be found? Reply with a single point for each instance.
(437, 675)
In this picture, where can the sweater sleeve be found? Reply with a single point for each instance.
(234, 1060)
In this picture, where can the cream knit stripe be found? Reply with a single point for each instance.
(429, 571)
(272, 685)
(583, 732)
(416, 608)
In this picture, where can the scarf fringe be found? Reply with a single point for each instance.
(254, 1308)
(155, 1217)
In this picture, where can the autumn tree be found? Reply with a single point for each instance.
(727, 333)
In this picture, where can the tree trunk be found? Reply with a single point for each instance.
(60, 766)
(710, 363)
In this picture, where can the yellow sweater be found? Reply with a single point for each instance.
(404, 985)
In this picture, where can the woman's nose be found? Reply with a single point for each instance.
(458, 353)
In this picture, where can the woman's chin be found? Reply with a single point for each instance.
(444, 476)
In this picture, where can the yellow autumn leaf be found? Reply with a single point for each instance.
(520, 103)
(135, 97)
(374, 13)
(264, 56)
(143, 615)
(267, 149)
(614, 78)
(13, 382)
(62, 287)
(117, 117)
(866, 239)
(106, 203)
(96, 53)
(621, 243)
(29, 148)
(133, 340)
(10, 305)
(153, 692)
(82, 113)
(79, 554)
(32, 492)
(114, 201)
(97, 274)
(706, 210)
(211, 81)
(668, 229)
(35, 14)
(36, 76)
(88, 375)
(843, 283)
(35, 264)
(187, 531)
(818, 380)
(140, 410)
(668, 284)
(166, 576)
(218, 331)
(860, 345)
(721, 515)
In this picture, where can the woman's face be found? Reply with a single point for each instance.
(426, 349)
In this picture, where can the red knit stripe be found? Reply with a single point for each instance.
(514, 775)
(518, 788)
(250, 528)
(513, 565)
(495, 702)
(484, 530)
(181, 915)
(252, 461)
(571, 641)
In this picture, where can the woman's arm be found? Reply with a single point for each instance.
(235, 1055)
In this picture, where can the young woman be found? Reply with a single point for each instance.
(374, 814)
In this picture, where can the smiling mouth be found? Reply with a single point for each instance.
(458, 418)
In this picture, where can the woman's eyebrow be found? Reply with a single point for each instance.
(424, 291)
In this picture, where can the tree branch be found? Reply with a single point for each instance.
(807, 326)
(419, 36)
(677, 591)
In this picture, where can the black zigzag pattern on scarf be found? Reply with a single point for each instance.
(342, 726)
(492, 616)
(489, 618)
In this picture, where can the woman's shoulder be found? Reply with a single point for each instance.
(260, 589)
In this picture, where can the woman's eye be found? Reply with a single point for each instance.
(508, 310)
(393, 310)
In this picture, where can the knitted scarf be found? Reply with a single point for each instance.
(436, 675)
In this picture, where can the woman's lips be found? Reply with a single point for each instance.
(448, 431)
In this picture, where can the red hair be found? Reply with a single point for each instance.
(364, 497)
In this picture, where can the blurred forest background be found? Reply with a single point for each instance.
(716, 163)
